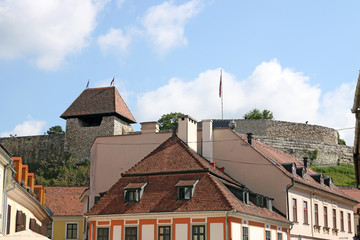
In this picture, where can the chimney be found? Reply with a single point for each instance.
(249, 137)
(222, 169)
(149, 127)
(306, 162)
(213, 164)
(187, 131)
(207, 140)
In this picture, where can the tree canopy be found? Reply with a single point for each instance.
(257, 114)
(55, 130)
(167, 120)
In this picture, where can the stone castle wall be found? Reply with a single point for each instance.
(288, 130)
(36, 148)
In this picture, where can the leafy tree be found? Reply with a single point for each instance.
(256, 114)
(55, 130)
(341, 141)
(167, 120)
(63, 173)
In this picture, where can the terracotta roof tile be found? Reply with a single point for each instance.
(64, 200)
(99, 101)
(134, 185)
(354, 193)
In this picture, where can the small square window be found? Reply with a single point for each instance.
(184, 193)
(103, 234)
(164, 233)
(131, 195)
(131, 233)
(198, 232)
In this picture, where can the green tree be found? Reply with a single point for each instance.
(167, 120)
(256, 114)
(55, 130)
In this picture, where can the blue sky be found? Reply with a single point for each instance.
(299, 59)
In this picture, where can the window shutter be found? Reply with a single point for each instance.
(8, 220)
(18, 221)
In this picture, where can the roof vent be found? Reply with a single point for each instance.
(318, 178)
(232, 125)
(301, 171)
(290, 167)
(249, 137)
(328, 181)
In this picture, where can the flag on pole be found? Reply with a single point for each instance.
(220, 86)
(112, 82)
(87, 85)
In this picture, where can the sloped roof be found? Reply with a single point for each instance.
(278, 158)
(354, 193)
(64, 200)
(173, 162)
(99, 101)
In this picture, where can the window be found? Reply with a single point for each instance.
(164, 233)
(334, 218)
(294, 210)
(342, 221)
(279, 236)
(184, 193)
(49, 230)
(349, 222)
(131, 233)
(198, 232)
(325, 217)
(8, 220)
(71, 230)
(131, 195)
(103, 234)
(316, 215)
(305, 205)
(267, 235)
(245, 233)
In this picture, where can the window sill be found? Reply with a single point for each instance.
(306, 224)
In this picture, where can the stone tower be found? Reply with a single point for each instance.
(96, 112)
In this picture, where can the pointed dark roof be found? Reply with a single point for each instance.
(99, 101)
(173, 162)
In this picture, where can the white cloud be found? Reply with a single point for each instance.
(46, 31)
(114, 39)
(26, 128)
(165, 23)
(287, 93)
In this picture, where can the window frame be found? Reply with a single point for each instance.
(198, 234)
(349, 223)
(279, 236)
(184, 193)
(130, 235)
(164, 234)
(316, 212)
(326, 219)
(67, 232)
(294, 202)
(334, 219)
(267, 232)
(342, 227)
(245, 237)
(102, 228)
(134, 193)
(306, 212)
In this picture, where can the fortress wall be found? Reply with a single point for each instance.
(36, 148)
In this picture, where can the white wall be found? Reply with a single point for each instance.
(117, 233)
(147, 232)
(236, 231)
(216, 231)
(181, 231)
(256, 233)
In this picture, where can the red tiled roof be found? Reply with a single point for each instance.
(279, 157)
(168, 165)
(134, 185)
(99, 101)
(64, 200)
(186, 183)
(354, 193)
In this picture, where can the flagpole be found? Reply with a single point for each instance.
(222, 96)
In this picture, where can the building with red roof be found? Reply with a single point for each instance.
(316, 208)
(68, 210)
(174, 193)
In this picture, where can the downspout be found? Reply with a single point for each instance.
(226, 226)
(5, 196)
(287, 201)
(93, 228)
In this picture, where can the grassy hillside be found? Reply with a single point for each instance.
(343, 175)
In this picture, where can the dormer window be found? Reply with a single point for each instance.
(301, 171)
(246, 197)
(185, 189)
(319, 178)
(290, 167)
(133, 192)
